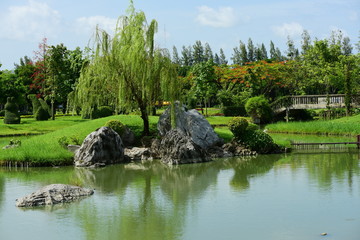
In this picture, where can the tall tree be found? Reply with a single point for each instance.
(346, 48)
(251, 50)
(236, 58)
(129, 67)
(272, 51)
(187, 56)
(264, 51)
(208, 54)
(175, 56)
(305, 42)
(223, 60)
(292, 52)
(198, 52)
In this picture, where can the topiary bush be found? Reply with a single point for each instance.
(2, 113)
(116, 125)
(238, 126)
(42, 114)
(12, 115)
(260, 142)
(34, 102)
(259, 108)
(103, 111)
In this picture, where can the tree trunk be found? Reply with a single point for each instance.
(145, 118)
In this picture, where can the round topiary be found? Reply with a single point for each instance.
(42, 114)
(259, 108)
(12, 115)
(260, 142)
(116, 125)
(238, 126)
(103, 111)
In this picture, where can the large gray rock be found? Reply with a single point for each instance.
(177, 148)
(101, 147)
(192, 124)
(53, 194)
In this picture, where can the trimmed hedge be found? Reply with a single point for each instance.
(12, 115)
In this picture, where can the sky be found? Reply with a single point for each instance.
(221, 23)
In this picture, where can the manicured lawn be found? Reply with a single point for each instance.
(341, 126)
(31, 126)
(44, 150)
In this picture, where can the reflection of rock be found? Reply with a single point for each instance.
(137, 153)
(192, 124)
(53, 194)
(177, 148)
(101, 147)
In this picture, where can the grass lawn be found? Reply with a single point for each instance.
(342, 126)
(31, 126)
(44, 150)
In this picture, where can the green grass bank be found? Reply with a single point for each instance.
(346, 126)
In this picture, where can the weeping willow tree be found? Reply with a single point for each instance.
(128, 71)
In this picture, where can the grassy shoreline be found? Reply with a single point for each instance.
(346, 126)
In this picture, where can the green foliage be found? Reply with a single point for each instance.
(45, 106)
(238, 126)
(2, 113)
(259, 107)
(103, 111)
(42, 114)
(128, 71)
(12, 115)
(65, 141)
(35, 102)
(116, 125)
(233, 111)
(260, 142)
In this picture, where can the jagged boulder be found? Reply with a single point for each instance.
(178, 148)
(137, 153)
(53, 194)
(101, 147)
(192, 124)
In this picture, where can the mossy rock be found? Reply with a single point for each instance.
(12, 115)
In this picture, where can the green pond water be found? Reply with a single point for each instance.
(293, 196)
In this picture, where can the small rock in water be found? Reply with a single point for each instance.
(323, 234)
(53, 194)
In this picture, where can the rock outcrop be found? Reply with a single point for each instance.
(101, 147)
(53, 194)
(136, 153)
(192, 124)
(178, 148)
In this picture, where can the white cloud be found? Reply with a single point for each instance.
(87, 25)
(289, 29)
(222, 17)
(33, 20)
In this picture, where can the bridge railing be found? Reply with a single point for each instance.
(313, 101)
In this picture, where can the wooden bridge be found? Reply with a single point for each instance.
(314, 102)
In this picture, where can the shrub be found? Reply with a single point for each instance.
(35, 103)
(103, 111)
(45, 106)
(233, 111)
(238, 126)
(116, 125)
(65, 141)
(259, 108)
(2, 113)
(12, 115)
(42, 114)
(260, 142)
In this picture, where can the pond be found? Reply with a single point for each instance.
(292, 196)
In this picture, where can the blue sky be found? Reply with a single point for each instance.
(24, 23)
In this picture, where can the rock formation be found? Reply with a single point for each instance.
(192, 124)
(101, 147)
(53, 194)
(177, 148)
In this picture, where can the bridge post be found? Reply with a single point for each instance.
(358, 141)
